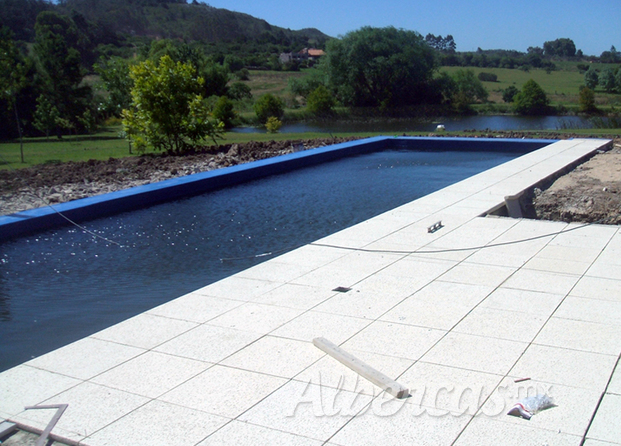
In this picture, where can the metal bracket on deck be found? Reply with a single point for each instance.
(434, 227)
(61, 409)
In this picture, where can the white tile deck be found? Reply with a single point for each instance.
(234, 363)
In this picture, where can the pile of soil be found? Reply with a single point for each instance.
(591, 192)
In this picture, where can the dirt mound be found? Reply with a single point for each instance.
(589, 193)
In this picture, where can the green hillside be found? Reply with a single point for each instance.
(157, 19)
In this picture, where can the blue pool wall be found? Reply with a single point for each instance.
(36, 220)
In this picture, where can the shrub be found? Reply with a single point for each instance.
(591, 78)
(532, 100)
(223, 111)
(167, 111)
(273, 124)
(587, 100)
(508, 94)
(239, 91)
(487, 77)
(269, 105)
(320, 101)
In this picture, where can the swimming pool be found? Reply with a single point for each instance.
(61, 285)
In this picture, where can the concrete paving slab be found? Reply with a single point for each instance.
(224, 391)
(559, 366)
(166, 373)
(208, 343)
(275, 356)
(478, 353)
(307, 410)
(71, 359)
(580, 335)
(238, 433)
(158, 422)
(606, 425)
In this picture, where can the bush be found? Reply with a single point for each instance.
(487, 77)
(587, 100)
(239, 91)
(532, 100)
(223, 112)
(273, 124)
(591, 78)
(320, 101)
(269, 105)
(508, 94)
(167, 111)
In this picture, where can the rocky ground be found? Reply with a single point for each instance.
(590, 192)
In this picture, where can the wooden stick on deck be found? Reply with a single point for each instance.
(364, 370)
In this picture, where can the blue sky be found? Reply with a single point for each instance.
(593, 25)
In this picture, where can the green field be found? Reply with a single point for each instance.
(562, 86)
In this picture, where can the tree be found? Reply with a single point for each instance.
(320, 102)
(468, 89)
(12, 78)
(379, 67)
(167, 110)
(587, 100)
(560, 47)
(223, 111)
(60, 67)
(267, 106)
(239, 91)
(114, 75)
(607, 80)
(508, 94)
(591, 78)
(531, 100)
(46, 116)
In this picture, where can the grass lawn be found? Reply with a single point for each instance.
(106, 144)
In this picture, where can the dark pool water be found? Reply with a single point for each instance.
(59, 286)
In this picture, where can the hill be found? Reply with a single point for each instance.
(156, 19)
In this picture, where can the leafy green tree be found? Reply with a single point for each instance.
(508, 94)
(167, 110)
(586, 100)
(607, 80)
(239, 91)
(531, 100)
(591, 78)
(379, 67)
(469, 87)
(303, 86)
(60, 67)
(12, 78)
(46, 116)
(114, 75)
(269, 105)
(224, 112)
(560, 47)
(320, 102)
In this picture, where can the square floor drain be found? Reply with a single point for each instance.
(341, 289)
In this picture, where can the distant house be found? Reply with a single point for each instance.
(311, 54)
